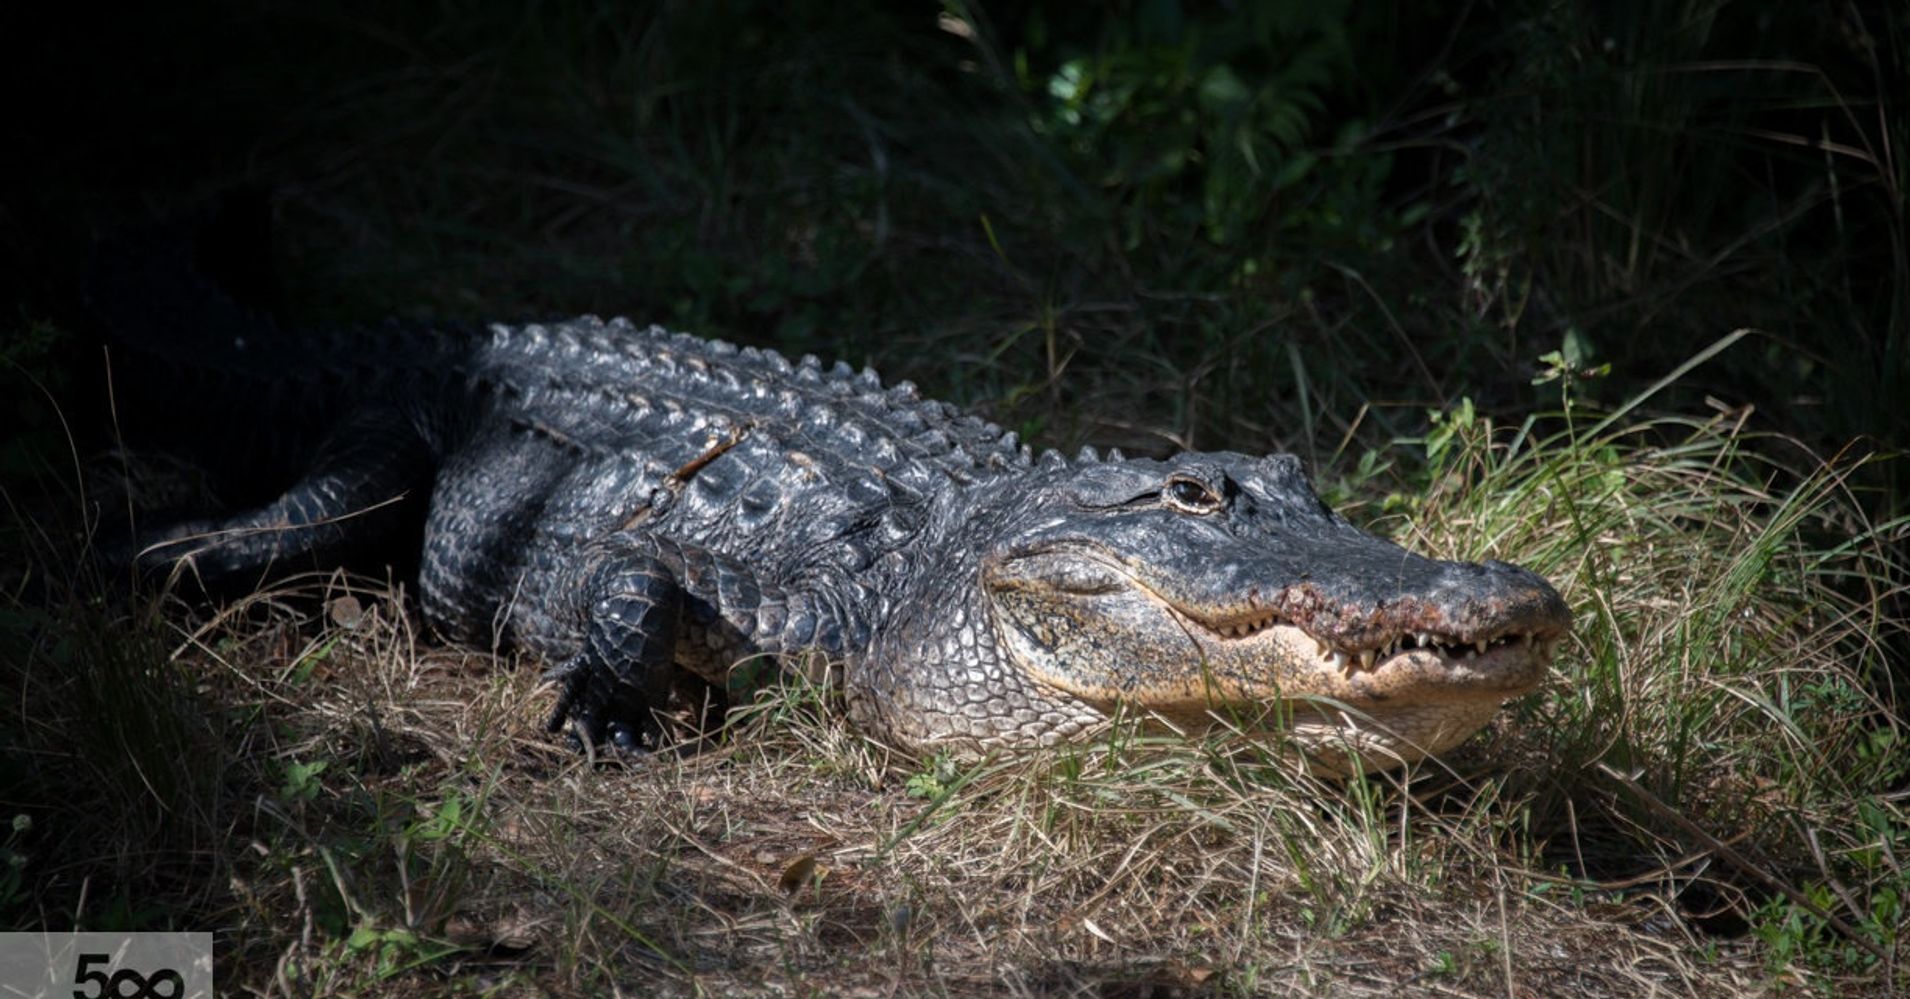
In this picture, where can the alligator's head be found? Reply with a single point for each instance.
(1219, 585)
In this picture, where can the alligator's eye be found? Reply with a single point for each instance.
(1190, 495)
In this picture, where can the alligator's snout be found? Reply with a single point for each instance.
(1452, 607)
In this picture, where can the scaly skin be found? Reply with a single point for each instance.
(632, 504)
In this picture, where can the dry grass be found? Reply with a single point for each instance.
(356, 809)
(799, 857)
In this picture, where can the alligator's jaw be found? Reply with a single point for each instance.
(1348, 712)
(1342, 716)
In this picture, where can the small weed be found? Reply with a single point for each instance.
(933, 781)
(301, 781)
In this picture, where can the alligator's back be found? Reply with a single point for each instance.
(574, 431)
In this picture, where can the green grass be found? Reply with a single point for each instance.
(1471, 264)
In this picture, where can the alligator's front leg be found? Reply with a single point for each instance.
(650, 606)
(623, 670)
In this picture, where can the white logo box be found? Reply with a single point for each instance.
(105, 965)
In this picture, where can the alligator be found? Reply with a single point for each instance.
(641, 508)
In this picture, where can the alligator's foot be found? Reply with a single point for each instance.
(623, 745)
(599, 714)
(608, 721)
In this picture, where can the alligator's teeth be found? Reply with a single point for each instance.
(1339, 660)
(1324, 648)
(1424, 639)
(1366, 659)
(1481, 645)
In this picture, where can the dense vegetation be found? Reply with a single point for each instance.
(1621, 291)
